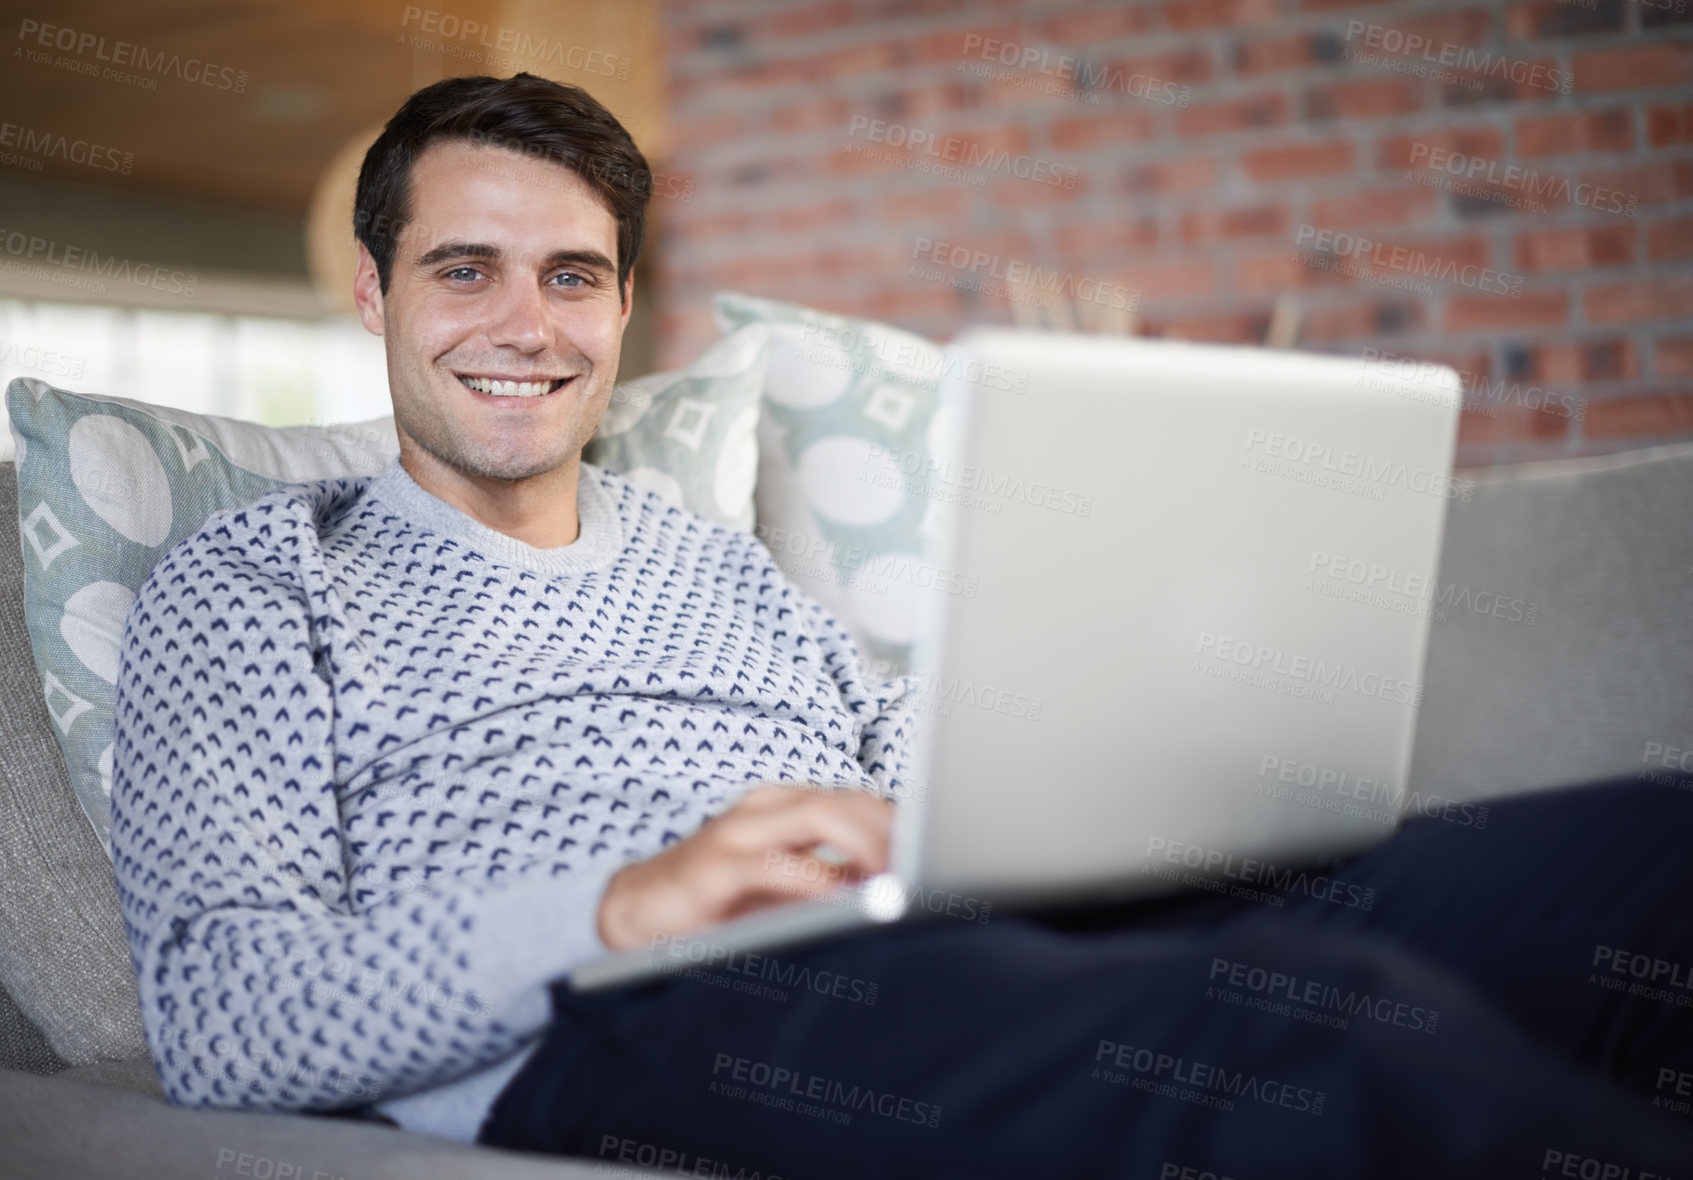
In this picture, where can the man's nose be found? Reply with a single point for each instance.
(520, 319)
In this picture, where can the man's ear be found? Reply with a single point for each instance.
(628, 298)
(367, 293)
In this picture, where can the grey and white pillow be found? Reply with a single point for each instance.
(107, 485)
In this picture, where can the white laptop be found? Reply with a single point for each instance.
(1202, 584)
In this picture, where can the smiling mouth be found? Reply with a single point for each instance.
(503, 387)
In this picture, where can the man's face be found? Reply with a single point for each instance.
(506, 271)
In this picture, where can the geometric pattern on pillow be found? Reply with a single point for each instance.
(842, 395)
(691, 435)
(107, 485)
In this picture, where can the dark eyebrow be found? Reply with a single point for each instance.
(587, 259)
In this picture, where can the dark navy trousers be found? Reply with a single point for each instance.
(1509, 999)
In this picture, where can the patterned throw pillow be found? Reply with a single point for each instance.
(848, 405)
(106, 486)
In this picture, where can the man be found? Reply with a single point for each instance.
(394, 753)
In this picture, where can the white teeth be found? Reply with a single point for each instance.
(508, 388)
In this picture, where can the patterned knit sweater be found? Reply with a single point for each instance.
(375, 761)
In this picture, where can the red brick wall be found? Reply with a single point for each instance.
(1526, 216)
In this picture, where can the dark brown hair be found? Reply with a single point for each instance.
(523, 114)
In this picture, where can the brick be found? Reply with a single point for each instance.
(1639, 299)
(1510, 423)
(1466, 312)
(1576, 247)
(1188, 15)
(1275, 271)
(948, 203)
(809, 217)
(1653, 415)
(1298, 161)
(1570, 362)
(1268, 55)
(1250, 113)
(1227, 328)
(1181, 174)
(1182, 278)
(1415, 149)
(1183, 65)
(1672, 356)
(1362, 318)
(1123, 235)
(1629, 66)
(1019, 193)
(1380, 206)
(1615, 190)
(1555, 18)
(1243, 221)
(1658, 14)
(1521, 79)
(1330, 5)
(800, 115)
(1103, 128)
(1083, 29)
(1670, 240)
(1684, 178)
(1362, 98)
(800, 20)
(1610, 130)
(1669, 124)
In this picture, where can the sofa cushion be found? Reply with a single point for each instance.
(22, 1044)
(1561, 643)
(70, 1130)
(63, 956)
(143, 477)
(848, 407)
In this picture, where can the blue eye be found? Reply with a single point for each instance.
(578, 280)
(462, 270)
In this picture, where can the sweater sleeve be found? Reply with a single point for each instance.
(261, 984)
(885, 711)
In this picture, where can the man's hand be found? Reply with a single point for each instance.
(761, 851)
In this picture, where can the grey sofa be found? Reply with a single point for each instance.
(1595, 680)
